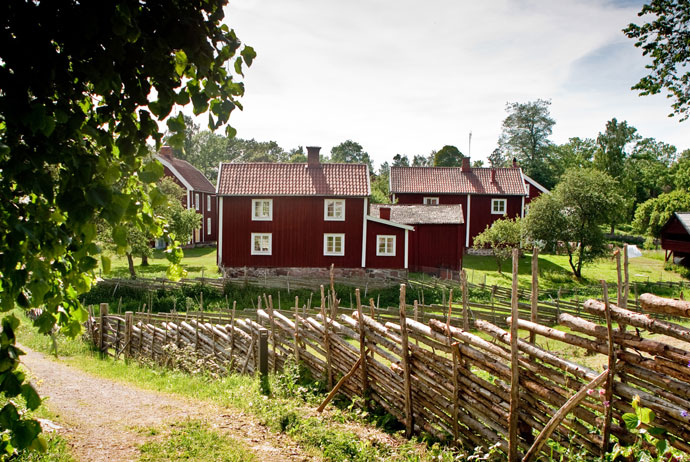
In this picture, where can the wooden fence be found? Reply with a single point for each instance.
(437, 376)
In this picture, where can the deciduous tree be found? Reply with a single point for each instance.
(653, 214)
(572, 215)
(665, 38)
(501, 237)
(351, 152)
(448, 156)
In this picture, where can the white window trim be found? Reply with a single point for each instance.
(431, 201)
(208, 226)
(379, 237)
(325, 245)
(496, 201)
(270, 244)
(270, 210)
(208, 203)
(197, 201)
(325, 210)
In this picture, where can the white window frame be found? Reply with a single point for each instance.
(333, 252)
(335, 203)
(256, 236)
(431, 201)
(196, 201)
(494, 202)
(208, 225)
(208, 203)
(386, 238)
(268, 217)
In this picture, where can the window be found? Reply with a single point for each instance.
(262, 209)
(431, 201)
(334, 244)
(498, 206)
(261, 243)
(385, 246)
(196, 201)
(334, 209)
(208, 226)
(208, 203)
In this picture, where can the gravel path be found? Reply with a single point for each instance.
(103, 419)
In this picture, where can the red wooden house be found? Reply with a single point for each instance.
(675, 237)
(289, 216)
(486, 194)
(201, 195)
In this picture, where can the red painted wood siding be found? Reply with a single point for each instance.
(533, 193)
(373, 261)
(436, 246)
(297, 230)
(480, 208)
(204, 236)
(675, 237)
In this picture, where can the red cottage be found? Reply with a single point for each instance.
(288, 216)
(486, 194)
(675, 237)
(438, 240)
(201, 195)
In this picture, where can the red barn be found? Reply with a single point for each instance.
(486, 194)
(201, 195)
(289, 216)
(675, 237)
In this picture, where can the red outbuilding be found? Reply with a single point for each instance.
(200, 194)
(486, 194)
(675, 238)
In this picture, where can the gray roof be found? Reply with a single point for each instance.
(422, 214)
(684, 218)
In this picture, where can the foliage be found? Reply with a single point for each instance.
(350, 152)
(498, 159)
(448, 156)
(501, 237)
(651, 442)
(75, 116)
(572, 215)
(576, 153)
(525, 136)
(665, 39)
(611, 154)
(653, 214)
(680, 171)
(380, 189)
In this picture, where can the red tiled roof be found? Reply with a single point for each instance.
(452, 180)
(269, 179)
(422, 214)
(188, 174)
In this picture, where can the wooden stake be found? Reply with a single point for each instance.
(450, 309)
(405, 364)
(606, 433)
(513, 443)
(534, 301)
(626, 280)
(232, 329)
(465, 305)
(456, 353)
(102, 326)
(362, 343)
(128, 333)
(273, 333)
(619, 295)
(340, 384)
(326, 339)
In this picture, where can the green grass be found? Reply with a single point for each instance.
(192, 441)
(197, 261)
(555, 271)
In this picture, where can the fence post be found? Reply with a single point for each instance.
(102, 326)
(626, 277)
(405, 364)
(362, 343)
(619, 294)
(610, 376)
(297, 330)
(465, 311)
(514, 371)
(534, 312)
(326, 340)
(263, 358)
(128, 333)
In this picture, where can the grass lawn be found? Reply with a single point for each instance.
(196, 261)
(555, 272)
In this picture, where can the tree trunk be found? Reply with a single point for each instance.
(130, 262)
(144, 260)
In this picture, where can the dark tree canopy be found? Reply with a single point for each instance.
(666, 39)
(351, 152)
(82, 86)
(448, 156)
(612, 143)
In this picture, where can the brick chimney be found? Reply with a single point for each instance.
(313, 156)
(515, 163)
(166, 151)
(385, 213)
(465, 164)
(493, 175)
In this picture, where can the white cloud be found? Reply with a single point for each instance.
(409, 77)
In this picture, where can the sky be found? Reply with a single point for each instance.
(408, 77)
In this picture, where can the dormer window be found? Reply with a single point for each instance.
(334, 209)
(262, 209)
(431, 201)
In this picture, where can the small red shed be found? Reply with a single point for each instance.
(675, 237)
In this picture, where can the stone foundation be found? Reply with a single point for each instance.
(347, 276)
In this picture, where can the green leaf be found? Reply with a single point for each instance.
(31, 396)
(180, 62)
(248, 54)
(11, 385)
(661, 446)
(630, 420)
(120, 236)
(657, 431)
(8, 416)
(238, 65)
(45, 322)
(645, 415)
(152, 172)
(25, 432)
(176, 124)
(105, 264)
